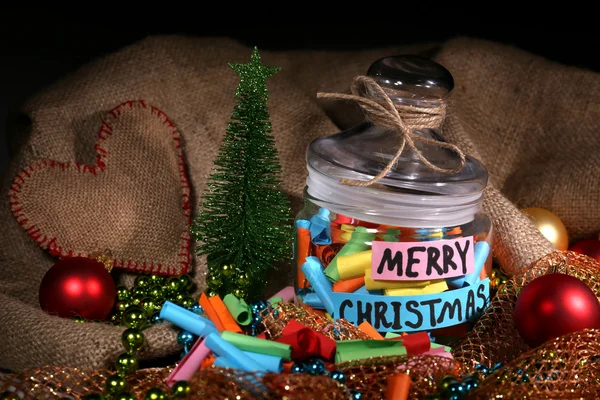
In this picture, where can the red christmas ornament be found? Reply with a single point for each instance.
(588, 247)
(78, 287)
(554, 305)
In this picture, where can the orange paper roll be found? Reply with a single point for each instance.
(368, 329)
(207, 362)
(349, 285)
(227, 321)
(211, 313)
(398, 387)
(303, 247)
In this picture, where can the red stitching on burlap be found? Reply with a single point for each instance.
(104, 133)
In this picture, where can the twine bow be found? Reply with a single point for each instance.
(404, 119)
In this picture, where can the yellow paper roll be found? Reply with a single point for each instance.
(372, 284)
(354, 265)
(437, 286)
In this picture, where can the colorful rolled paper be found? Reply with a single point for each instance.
(210, 312)
(415, 343)
(260, 346)
(367, 328)
(288, 293)
(303, 244)
(398, 386)
(269, 363)
(238, 309)
(349, 350)
(482, 251)
(186, 319)
(354, 265)
(349, 285)
(306, 342)
(235, 356)
(225, 318)
(359, 241)
(372, 284)
(320, 227)
(319, 282)
(312, 300)
(190, 364)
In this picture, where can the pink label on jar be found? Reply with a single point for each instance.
(422, 261)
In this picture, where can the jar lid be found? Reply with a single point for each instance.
(362, 152)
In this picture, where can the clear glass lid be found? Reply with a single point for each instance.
(362, 152)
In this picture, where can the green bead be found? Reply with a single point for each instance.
(140, 291)
(173, 284)
(178, 298)
(123, 293)
(123, 305)
(142, 282)
(180, 389)
(132, 339)
(124, 396)
(157, 293)
(149, 306)
(446, 382)
(8, 395)
(79, 319)
(185, 282)
(136, 299)
(155, 394)
(93, 396)
(240, 293)
(114, 384)
(126, 364)
(115, 319)
(157, 279)
(243, 280)
(227, 270)
(214, 281)
(187, 302)
(135, 317)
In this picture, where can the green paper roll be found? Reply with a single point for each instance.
(391, 335)
(238, 309)
(360, 240)
(275, 300)
(446, 348)
(349, 350)
(260, 346)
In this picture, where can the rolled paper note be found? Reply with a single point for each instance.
(349, 350)
(260, 346)
(398, 386)
(320, 227)
(454, 232)
(269, 363)
(275, 300)
(234, 355)
(360, 240)
(354, 265)
(286, 294)
(319, 282)
(186, 319)
(208, 361)
(372, 284)
(238, 309)
(363, 290)
(368, 329)
(302, 249)
(391, 235)
(226, 319)
(210, 312)
(441, 346)
(190, 364)
(436, 286)
(342, 220)
(223, 362)
(311, 299)
(349, 285)
(306, 342)
(327, 253)
(391, 335)
(415, 343)
(346, 232)
(481, 251)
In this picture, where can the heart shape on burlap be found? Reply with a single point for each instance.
(134, 202)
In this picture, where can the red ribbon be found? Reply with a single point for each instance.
(415, 343)
(307, 342)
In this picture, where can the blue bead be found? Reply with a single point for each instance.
(156, 319)
(185, 338)
(298, 368)
(470, 383)
(356, 395)
(497, 366)
(338, 376)
(455, 389)
(316, 367)
(197, 309)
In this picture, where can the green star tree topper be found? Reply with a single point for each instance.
(244, 222)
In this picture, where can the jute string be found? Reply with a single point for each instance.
(404, 119)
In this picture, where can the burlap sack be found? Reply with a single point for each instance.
(533, 123)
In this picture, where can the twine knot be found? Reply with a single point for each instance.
(404, 119)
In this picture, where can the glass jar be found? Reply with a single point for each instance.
(410, 252)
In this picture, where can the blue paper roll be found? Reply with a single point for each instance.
(223, 362)
(186, 319)
(363, 290)
(235, 356)
(318, 281)
(303, 224)
(320, 227)
(311, 299)
(269, 363)
(481, 252)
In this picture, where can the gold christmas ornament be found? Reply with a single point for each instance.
(550, 226)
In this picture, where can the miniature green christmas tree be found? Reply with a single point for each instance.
(243, 225)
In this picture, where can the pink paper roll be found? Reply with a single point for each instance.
(287, 294)
(190, 364)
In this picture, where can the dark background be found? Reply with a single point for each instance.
(39, 45)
